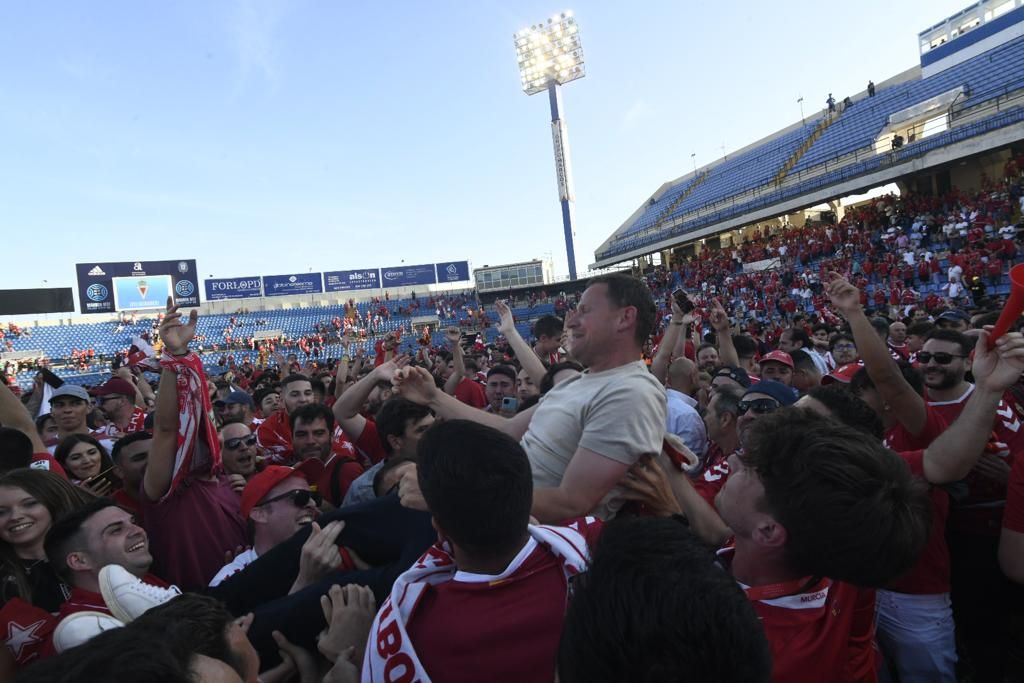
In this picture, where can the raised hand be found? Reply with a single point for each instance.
(1000, 368)
(646, 482)
(387, 369)
(506, 323)
(719, 318)
(319, 555)
(349, 612)
(415, 384)
(453, 335)
(176, 334)
(843, 295)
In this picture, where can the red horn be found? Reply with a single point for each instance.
(1014, 305)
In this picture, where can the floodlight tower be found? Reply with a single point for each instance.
(550, 54)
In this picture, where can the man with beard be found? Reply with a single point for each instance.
(274, 436)
(116, 399)
(982, 603)
(312, 426)
(238, 450)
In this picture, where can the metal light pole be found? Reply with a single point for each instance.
(549, 55)
(800, 101)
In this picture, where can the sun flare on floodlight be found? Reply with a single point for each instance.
(549, 52)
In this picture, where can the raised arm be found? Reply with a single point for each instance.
(16, 416)
(163, 450)
(341, 372)
(906, 404)
(527, 358)
(723, 331)
(454, 337)
(417, 385)
(673, 332)
(951, 456)
(346, 408)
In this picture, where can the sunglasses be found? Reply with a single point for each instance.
(299, 498)
(941, 357)
(236, 443)
(760, 406)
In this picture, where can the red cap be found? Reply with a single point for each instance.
(257, 488)
(115, 386)
(778, 357)
(844, 373)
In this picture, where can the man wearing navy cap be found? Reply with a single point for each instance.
(953, 319)
(235, 407)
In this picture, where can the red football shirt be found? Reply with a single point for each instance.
(715, 474)
(471, 393)
(1013, 518)
(981, 512)
(503, 629)
(818, 629)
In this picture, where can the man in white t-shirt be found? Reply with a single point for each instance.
(585, 434)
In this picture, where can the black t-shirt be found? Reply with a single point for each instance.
(48, 591)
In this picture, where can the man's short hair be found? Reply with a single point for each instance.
(797, 334)
(547, 383)
(127, 440)
(822, 326)
(654, 606)
(952, 336)
(548, 326)
(263, 392)
(394, 415)
(64, 535)
(626, 290)
(745, 346)
(840, 338)
(506, 370)
(861, 381)
(851, 508)
(310, 413)
(848, 408)
(295, 377)
(387, 466)
(802, 360)
(881, 325)
(920, 329)
(703, 346)
(478, 485)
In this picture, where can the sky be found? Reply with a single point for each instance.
(267, 137)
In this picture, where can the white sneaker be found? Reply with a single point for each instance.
(127, 596)
(80, 627)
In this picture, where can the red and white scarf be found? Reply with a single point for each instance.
(390, 655)
(198, 446)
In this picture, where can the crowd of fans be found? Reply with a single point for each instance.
(776, 461)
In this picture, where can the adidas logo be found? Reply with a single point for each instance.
(96, 270)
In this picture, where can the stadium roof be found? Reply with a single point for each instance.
(967, 97)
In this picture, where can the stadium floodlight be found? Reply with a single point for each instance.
(549, 55)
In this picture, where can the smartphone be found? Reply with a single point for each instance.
(509, 404)
(683, 301)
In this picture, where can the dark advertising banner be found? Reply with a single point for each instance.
(453, 271)
(42, 300)
(346, 280)
(406, 276)
(299, 283)
(136, 285)
(234, 288)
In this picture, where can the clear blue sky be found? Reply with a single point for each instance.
(265, 137)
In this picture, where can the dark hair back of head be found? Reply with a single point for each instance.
(547, 383)
(311, 412)
(920, 329)
(745, 346)
(848, 408)
(393, 416)
(626, 290)
(15, 449)
(851, 508)
(655, 607)
(802, 360)
(548, 326)
(861, 380)
(478, 485)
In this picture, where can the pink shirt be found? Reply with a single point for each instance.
(192, 529)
